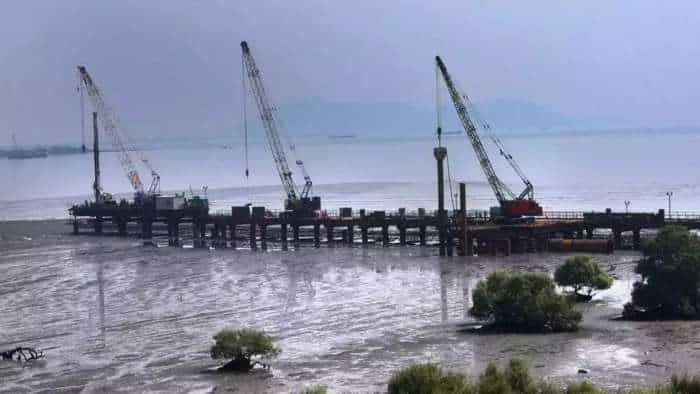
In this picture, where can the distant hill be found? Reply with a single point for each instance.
(316, 116)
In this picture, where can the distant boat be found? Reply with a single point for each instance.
(36, 153)
(22, 153)
(342, 136)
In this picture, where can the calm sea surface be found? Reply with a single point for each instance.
(570, 172)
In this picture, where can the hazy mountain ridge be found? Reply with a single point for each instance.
(316, 116)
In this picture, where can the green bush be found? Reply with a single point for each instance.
(583, 388)
(670, 284)
(427, 379)
(684, 384)
(582, 274)
(523, 302)
(519, 378)
(241, 346)
(514, 379)
(315, 390)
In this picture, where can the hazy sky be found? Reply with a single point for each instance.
(173, 67)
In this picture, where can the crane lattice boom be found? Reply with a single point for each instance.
(273, 130)
(499, 188)
(513, 206)
(121, 141)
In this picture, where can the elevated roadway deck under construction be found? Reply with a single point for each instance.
(257, 227)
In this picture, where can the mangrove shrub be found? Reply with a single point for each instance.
(427, 379)
(582, 275)
(670, 271)
(523, 302)
(241, 347)
(515, 378)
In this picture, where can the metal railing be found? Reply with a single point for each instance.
(480, 215)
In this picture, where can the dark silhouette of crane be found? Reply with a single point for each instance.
(511, 206)
(120, 140)
(298, 201)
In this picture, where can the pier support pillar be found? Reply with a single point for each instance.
(385, 235)
(329, 233)
(202, 235)
(195, 233)
(232, 232)
(169, 224)
(589, 233)
(617, 237)
(98, 225)
(295, 234)
(463, 228)
(214, 235)
(76, 226)
(222, 235)
(147, 229)
(317, 234)
(450, 244)
(579, 233)
(363, 227)
(176, 232)
(263, 236)
(507, 247)
(253, 235)
(636, 238)
(440, 153)
(283, 234)
(351, 234)
(121, 226)
(402, 234)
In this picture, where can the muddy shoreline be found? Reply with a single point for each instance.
(117, 316)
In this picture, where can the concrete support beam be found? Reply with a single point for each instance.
(317, 234)
(232, 232)
(98, 225)
(295, 234)
(440, 153)
(263, 236)
(283, 234)
(329, 233)
(253, 235)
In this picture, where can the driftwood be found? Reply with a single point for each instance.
(22, 354)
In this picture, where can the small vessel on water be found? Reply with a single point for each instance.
(342, 136)
(26, 153)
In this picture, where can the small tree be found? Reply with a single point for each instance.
(526, 302)
(241, 346)
(582, 274)
(583, 388)
(315, 390)
(428, 378)
(670, 270)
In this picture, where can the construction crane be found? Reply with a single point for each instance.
(298, 201)
(511, 206)
(121, 141)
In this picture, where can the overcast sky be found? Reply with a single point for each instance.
(173, 67)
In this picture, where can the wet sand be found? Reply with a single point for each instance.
(115, 316)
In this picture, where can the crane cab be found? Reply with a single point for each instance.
(516, 211)
(304, 207)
